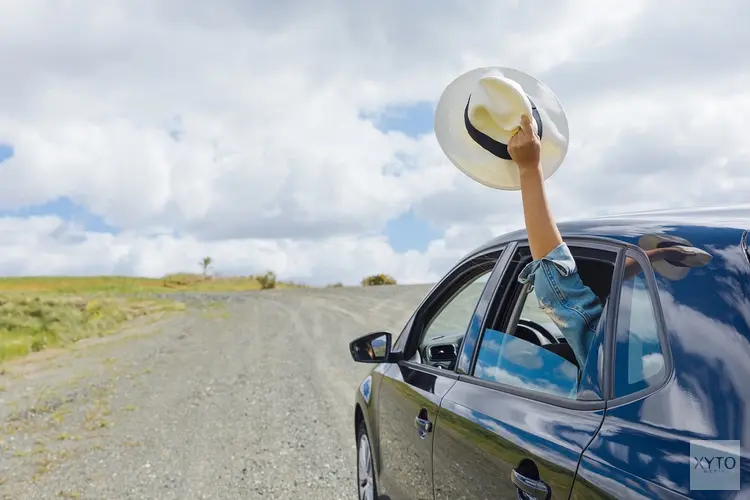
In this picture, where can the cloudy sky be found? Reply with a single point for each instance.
(137, 136)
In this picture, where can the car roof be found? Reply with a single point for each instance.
(627, 226)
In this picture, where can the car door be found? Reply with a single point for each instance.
(411, 390)
(518, 418)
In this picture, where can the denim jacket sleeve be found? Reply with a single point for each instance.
(573, 307)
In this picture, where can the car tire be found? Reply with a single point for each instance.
(366, 486)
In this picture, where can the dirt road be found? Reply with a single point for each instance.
(242, 396)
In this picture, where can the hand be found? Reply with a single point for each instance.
(524, 147)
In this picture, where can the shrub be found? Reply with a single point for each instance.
(378, 279)
(180, 280)
(267, 281)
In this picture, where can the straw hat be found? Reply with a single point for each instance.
(481, 110)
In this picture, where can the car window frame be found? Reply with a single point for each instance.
(661, 328)
(620, 249)
(453, 278)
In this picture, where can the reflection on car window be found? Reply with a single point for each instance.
(454, 318)
(639, 362)
(378, 347)
(513, 361)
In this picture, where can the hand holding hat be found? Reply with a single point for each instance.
(525, 147)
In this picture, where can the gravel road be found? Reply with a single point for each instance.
(241, 396)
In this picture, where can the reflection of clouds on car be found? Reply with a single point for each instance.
(567, 371)
(642, 322)
(497, 374)
(492, 345)
(524, 354)
(524, 365)
(526, 380)
(735, 258)
(652, 365)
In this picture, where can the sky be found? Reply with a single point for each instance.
(137, 137)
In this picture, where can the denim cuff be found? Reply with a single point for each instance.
(560, 256)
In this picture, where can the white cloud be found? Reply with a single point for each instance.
(274, 166)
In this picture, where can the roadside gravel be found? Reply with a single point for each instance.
(242, 396)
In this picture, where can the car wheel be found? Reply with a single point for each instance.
(366, 487)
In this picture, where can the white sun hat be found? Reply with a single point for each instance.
(480, 111)
(686, 256)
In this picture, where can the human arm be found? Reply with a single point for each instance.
(524, 147)
(561, 294)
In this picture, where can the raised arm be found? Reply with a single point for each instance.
(561, 294)
(524, 148)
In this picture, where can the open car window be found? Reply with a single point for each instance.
(522, 346)
(509, 360)
(532, 315)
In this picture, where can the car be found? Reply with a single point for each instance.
(479, 397)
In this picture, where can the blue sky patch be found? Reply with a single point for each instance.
(6, 152)
(412, 119)
(66, 209)
(409, 232)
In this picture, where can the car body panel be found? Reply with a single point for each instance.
(481, 435)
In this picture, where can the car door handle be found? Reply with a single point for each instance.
(535, 488)
(423, 426)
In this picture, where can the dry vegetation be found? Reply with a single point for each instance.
(33, 323)
(378, 279)
(41, 312)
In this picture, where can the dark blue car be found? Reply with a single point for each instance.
(480, 397)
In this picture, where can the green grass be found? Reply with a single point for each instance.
(120, 285)
(37, 313)
(34, 323)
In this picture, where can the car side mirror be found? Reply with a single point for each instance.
(371, 348)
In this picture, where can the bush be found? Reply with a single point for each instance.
(378, 279)
(267, 281)
(180, 280)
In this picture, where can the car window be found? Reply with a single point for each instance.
(519, 359)
(453, 319)
(531, 312)
(531, 352)
(444, 333)
(639, 361)
(509, 360)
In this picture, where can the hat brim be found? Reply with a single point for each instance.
(478, 163)
(699, 258)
